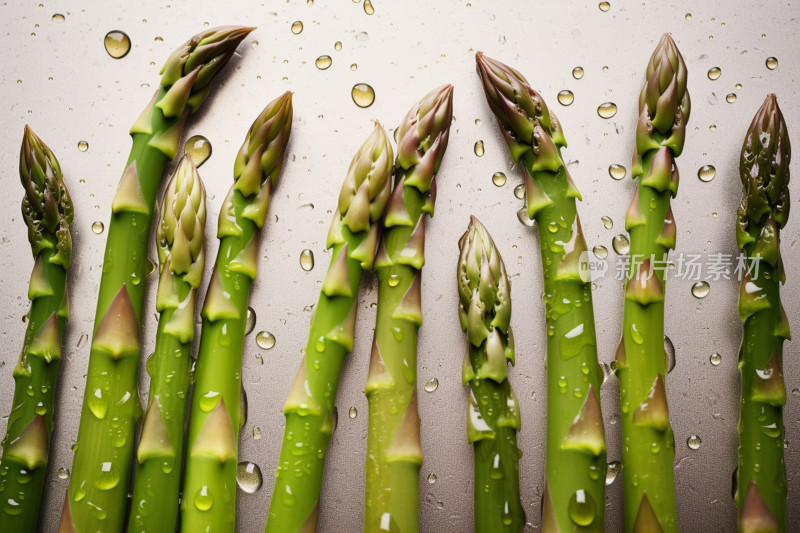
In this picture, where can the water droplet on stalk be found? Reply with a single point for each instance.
(522, 216)
(306, 260)
(581, 508)
(297, 27)
(198, 148)
(117, 44)
(265, 340)
(730, 98)
(601, 252)
(701, 289)
(323, 62)
(607, 222)
(431, 385)
(519, 192)
(63, 473)
(715, 359)
(613, 468)
(621, 244)
(97, 227)
(607, 110)
(617, 171)
(353, 412)
(83, 146)
(248, 477)
(566, 97)
(479, 151)
(250, 321)
(577, 73)
(431, 478)
(706, 173)
(693, 442)
(363, 94)
(714, 73)
(499, 179)
(772, 63)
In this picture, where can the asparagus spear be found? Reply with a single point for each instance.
(209, 489)
(47, 210)
(648, 444)
(574, 496)
(493, 421)
(353, 238)
(394, 456)
(97, 494)
(181, 254)
(764, 169)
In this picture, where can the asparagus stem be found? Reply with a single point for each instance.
(764, 170)
(97, 496)
(574, 496)
(47, 211)
(352, 239)
(394, 455)
(209, 490)
(181, 254)
(493, 421)
(648, 443)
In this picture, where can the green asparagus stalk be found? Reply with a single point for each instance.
(97, 496)
(764, 169)
(574, 496)
(353, 238)
(47, 211)
(493, 421)
(209, 490)
(394, 456)
(648, 450)
(181, 254)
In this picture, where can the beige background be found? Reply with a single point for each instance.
(403, 50)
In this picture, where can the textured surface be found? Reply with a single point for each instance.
(328, 129)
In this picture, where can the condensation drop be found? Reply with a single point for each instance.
(600, 251)
(323, 62)
(58, 17)
(519, 191)
(706, 173)
(607, 222)
(607, 109)
(354, 67)
(714, 73)
(621, 244)
(250, 322)
(479, 151)
(337, 46)
(363, 94)
(772, 63)
(577, 73)
(565, 97)
(431, 478)
(297, 27)
(617, 171)
(117, 44)
(306, 259)
(604, 6)
(523, 217)
(612, 470)
(730, 98)
(83, 146)
(669, 354)
(368, 9)
(198, 148)
(256, 433)
(265, 340)
(353, 412)
(499, 179)
(248, 477)
(688, 16)
(431, 385)
(63, 473)
(97, 227)
(581, 508)
(715, 359)
(693, 442)
(701, 289)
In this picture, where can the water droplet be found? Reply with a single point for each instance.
(297, 27)
(431, 478)
(636, 335)
(522, 216)
(621, 244)
(499, 179)
(58, 17)
(577, 73)
(256, 433)
(607, 222)
(83, 146)
(431, 385)
(738, 86)
(198, 148)
(363, 94)
(565, 97)
(701, 289)
(337, 46)
(772, 63)
(479, 151)
(98, 404)
(714, 73)
(706, 173)
(209, 401)
(693, 442)
(265, 340)
(519, 191)
(203, 499)
(250, 322)
(617, 171)
(117, 44)
(63, 473)
(394, 280)
(600, 251)
(107, 478)
(604, 6)
(730, 98)
(248, 477)
(688, 16)
(354, 67)
(669, 354)
(613, 468)
(353, 412)
(581, 508)
(323, 62)
(607, 109)
(306, 259)
(715, 359)
(159, 39)
(368, 9)
(97, 227)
